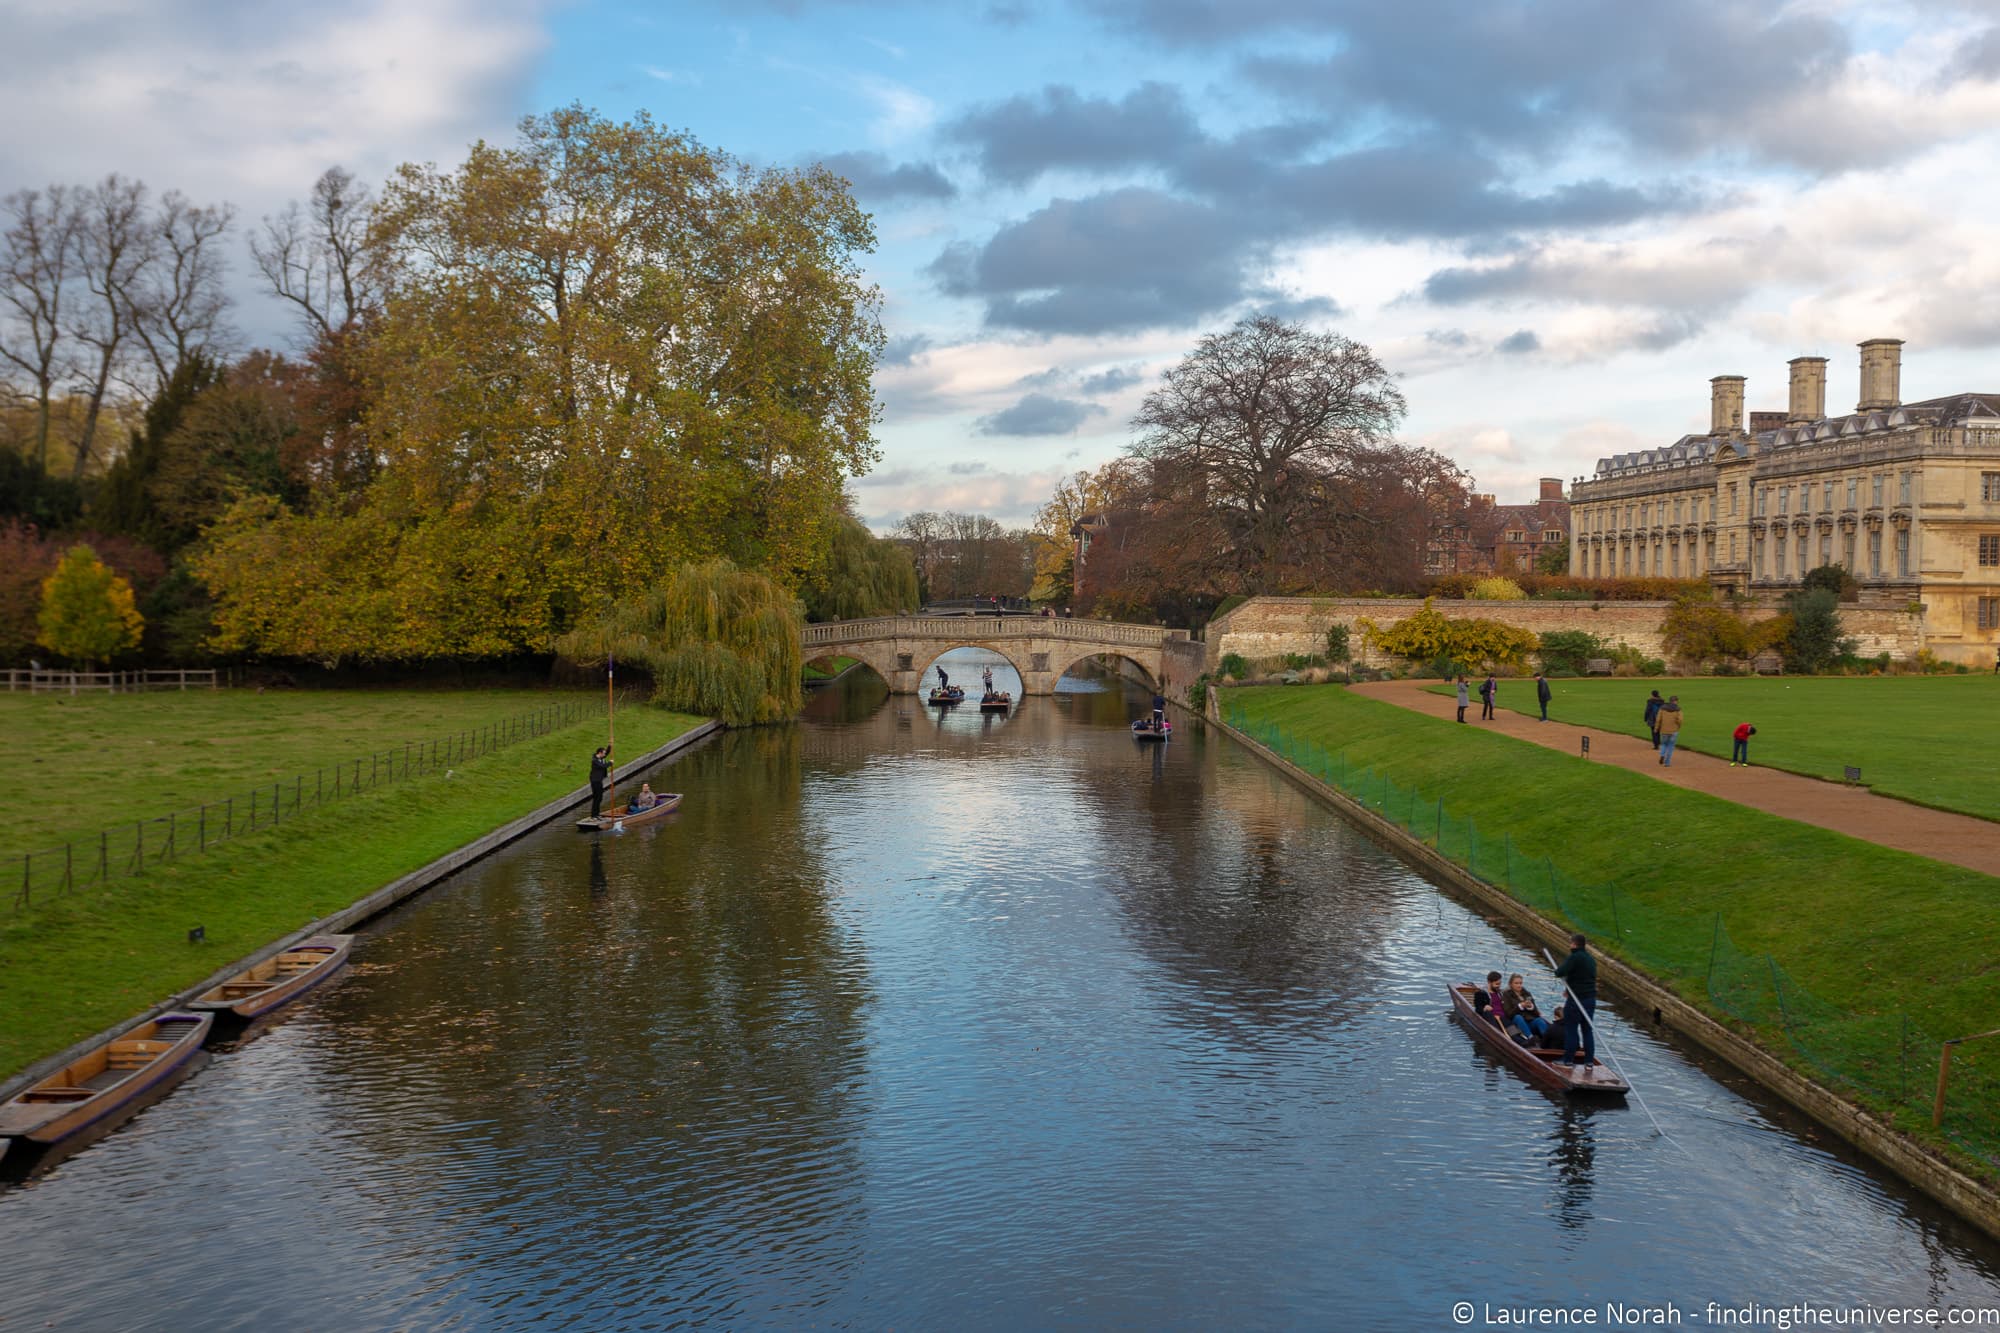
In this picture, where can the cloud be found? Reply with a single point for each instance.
(875, 178)
(1518, 342)
(904, 350)
(1039, 414)
(1115, 380)
(1017, 140)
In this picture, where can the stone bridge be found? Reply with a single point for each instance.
(901, 648)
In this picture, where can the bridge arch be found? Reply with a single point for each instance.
(1151, 671)
(1039, 649)
(929, 660)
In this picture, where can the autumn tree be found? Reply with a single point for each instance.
(862, 575)
(1263, 438)
(88, 613)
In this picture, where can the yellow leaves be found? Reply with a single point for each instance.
(88, 613)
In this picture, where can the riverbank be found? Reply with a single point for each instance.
(1846, 961)
(74, 965)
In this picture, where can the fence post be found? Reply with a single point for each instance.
(203, 835)
(277, 804)
(1715, 946)
(173, 832)
(139, 848)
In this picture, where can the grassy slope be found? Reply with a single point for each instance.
(1857, 924)
(1913, 737)
(157, 752)
(826, 668)
(76, 965)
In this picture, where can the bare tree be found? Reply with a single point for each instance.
(39, 251)
(179, 301)
(116, 247)
(321, 257)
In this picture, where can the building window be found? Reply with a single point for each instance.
(1853, 486)
(1989, 486)
(1732, 548)
(1827, 496)
(1778, 550)
(1989, 613)
(1903, 488)
(1989, 550)
(1552, 535)
(1757, 557)
(1763, 498)
(1801, 556)
(1784, 499)
(1902, 553)
(1875, 552)
(1877, 501)
(1677, 560)
(1732, 499)
(1847, 563)
(1805, 498)
(1826, 548)
(1677, 511)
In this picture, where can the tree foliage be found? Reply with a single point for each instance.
(719, 642)
(88, 613)
(1429, 634)
(1569, 649)
(1496, 588)
(967, 555)
(1814, 639)
(863, 575)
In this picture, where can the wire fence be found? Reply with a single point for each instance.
(1884, 1060)
(127, 850)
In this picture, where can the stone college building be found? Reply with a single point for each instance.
(1905, 496)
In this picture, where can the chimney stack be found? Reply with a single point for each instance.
(1552, 488)
(1881, 374)
(1808, 389)
(1725, 405)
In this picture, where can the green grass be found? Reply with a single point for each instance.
(827, 668)
(1859, 927)
(1917, 738)
(151, 753)
(75, 965)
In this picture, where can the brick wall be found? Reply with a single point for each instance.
(1270, 626)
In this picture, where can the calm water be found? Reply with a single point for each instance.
(940, 1021)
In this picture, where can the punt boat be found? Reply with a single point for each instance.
(1144, 730)
(279, 979)
(996, 701)
(94, 1093)
(1540, 1065)
(625, 815)
(952, 695)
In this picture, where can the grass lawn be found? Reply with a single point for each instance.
(1861, 927)
(1912, 737)
(74, 965)
(827, 668)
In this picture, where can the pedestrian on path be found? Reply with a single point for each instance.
(1487, 689)
(1669, 723)
(1464, 698)
(1653, 706)
(1542, 694)
(1739, 753)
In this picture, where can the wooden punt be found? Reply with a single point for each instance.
(996, 702)
(94, 1093)
(954, 695)
(1541, 1065)
(625, 816)
(1144, 730)
(279, 979)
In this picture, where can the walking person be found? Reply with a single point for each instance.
(1464, 698)
(1669, 723)
(1579, 973)
(1487, 689)
(1739, 753)
(1653, 707)
(600, 769)
(1543, 694)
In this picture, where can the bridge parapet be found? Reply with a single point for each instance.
(989, 627)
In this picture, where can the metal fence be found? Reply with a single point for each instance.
(127, 849)
(1885, 1061)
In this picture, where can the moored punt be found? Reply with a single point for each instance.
(92, 1094)
(1540, 1065)
(625, 816)
(279, 979)
(996, 701)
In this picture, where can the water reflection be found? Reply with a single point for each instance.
(939, 1022)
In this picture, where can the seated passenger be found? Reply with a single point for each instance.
(645, 800)
(1490, 1001)
(1522, 1012)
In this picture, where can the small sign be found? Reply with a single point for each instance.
(1586, 747)
(1853, 773)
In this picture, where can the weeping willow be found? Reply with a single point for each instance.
(719, 642)
(861, 575)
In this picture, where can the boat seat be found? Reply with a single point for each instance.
(57, 1095)
(110, 1078)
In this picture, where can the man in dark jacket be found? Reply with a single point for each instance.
(1542, 694)
(1579, 973)
(1487, 689)
(600, 769)
(1653, 707)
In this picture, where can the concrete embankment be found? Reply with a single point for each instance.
(373, 904)
(1914, 1161)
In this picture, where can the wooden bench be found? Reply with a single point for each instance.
(1597, 666)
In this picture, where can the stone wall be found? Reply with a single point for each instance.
(1271, 626)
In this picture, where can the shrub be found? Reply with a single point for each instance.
(1234, 666)
(1814, 640)
(1301, 661)
(88, 613)
(1197, 693)
(1336, 644)
(1835, 580)
(1702, 631)
(1652, 666)
(1497, 589)
(1566, 650)
(1430, 634)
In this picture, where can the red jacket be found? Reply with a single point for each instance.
(1743, 730)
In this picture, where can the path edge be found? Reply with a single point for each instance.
(1937, 1179)
(372, 905)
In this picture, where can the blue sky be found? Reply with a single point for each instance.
(1554, 219)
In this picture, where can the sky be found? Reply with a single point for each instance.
(1553, 220)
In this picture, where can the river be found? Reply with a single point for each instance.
(928, 1019)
